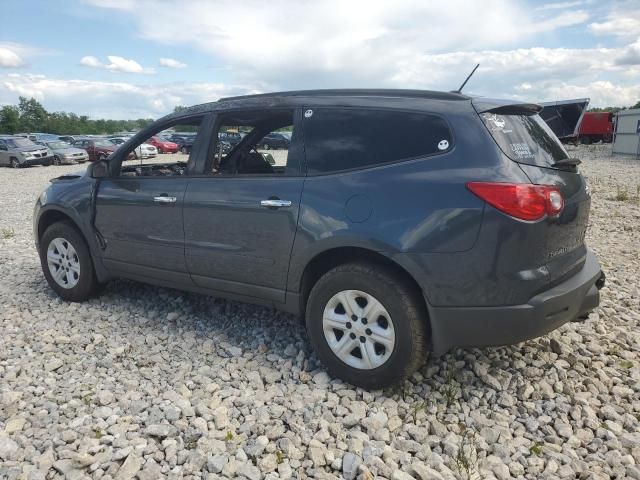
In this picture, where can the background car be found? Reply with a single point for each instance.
(97, 148)
(145, 150)
(66, 154)
(274, 140)
(19, 152)
(184, 141)
(162, 145)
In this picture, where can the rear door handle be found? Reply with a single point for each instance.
(275, 203)
(164, 199)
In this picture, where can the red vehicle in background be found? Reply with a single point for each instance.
(595, 127)
(163, 146)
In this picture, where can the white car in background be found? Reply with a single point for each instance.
(144, 150)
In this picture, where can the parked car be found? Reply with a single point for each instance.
(42, 137)
(233, 138)
(97, 148)
(162, 146)
(19, 152)
(274, 140)
(70, 139)
(144, 150)
(596, 127)
(183, 141)
(467, 230)
(65, 153)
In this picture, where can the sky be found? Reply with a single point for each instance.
(124, 59)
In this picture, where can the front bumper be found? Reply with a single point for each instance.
(36, 161)
(493, 326)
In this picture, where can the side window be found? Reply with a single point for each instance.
(255, 143)
(157, 157)
(344, 139)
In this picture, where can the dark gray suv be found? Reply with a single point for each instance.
(396, 222)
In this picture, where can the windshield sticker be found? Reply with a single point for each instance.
(521, 150)
(443, 145)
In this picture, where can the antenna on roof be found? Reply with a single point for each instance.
(466, 79)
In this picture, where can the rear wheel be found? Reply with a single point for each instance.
(367, 325)
(66, 262)
(184, 150)
(586, 140)
(159, 150)
(266, 146)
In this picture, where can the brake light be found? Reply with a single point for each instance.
(520, 200)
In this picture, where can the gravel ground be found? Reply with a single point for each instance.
(155, 383)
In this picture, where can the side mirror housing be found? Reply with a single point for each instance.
(100, 169)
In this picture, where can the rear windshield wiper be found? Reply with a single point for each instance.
(567, 162)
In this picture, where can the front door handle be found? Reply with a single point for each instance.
(275, 203)
(164, 199)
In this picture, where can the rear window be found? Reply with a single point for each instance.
(525, 138)
(344, 139)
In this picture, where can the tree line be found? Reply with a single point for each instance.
(613, 109)
(30, 116)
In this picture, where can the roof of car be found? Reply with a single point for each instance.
(358, 92)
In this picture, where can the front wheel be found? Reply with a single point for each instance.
(66, 262)
(367, 325)
(14, 163)
(57, 161)
(159, 150)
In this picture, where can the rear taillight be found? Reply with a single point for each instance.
(520, 200)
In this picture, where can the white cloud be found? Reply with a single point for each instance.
(171, 63)
(119, 100)
(116, 64)
(602, 93)
(10, 59)
(91, 61)
(291, 41)
(16, 55)
(624, 21)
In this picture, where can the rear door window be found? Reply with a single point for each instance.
(338, 139)
(525, 138)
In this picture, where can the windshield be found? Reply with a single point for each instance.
(21, 142)
(525, 138)
(103, 143)
(58, 145)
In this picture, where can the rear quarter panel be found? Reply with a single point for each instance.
(418, 212)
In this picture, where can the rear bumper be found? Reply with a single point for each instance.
(493, 326)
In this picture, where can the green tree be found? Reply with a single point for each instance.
(33, 116)
(637, 105)
(9, 119)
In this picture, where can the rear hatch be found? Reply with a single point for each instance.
(526, 139)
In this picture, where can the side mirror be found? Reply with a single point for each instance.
(100, 169)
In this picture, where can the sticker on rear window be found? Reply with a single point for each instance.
(443, 145)
(521, 150)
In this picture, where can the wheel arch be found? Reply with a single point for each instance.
(324, 261)
(53, 215)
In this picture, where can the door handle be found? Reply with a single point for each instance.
(164, 199)
(275, 203)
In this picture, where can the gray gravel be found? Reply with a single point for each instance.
(148, 383)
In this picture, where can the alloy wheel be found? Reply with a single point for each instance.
(63, 263)
(358, 329)
(15, 163)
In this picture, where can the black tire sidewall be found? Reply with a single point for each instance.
(386, 291)
(86, 285)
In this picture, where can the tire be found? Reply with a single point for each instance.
(14, 163)
(81, 285)
(57, 161)
(184, 150)
(159, 150)
(101, 157)
(407, 322)
(266, 146)
(586, 140)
